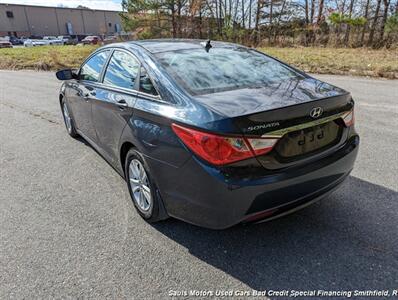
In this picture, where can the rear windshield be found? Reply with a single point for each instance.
(223, 69)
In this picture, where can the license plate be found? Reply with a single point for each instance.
(308, 140)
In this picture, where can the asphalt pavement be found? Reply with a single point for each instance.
(68, 227)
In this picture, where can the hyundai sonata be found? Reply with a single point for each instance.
(211, 133)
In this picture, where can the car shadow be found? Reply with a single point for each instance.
(348, 240)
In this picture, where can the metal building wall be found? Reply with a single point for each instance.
(40, 20)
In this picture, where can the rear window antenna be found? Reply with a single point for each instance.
(207, 45)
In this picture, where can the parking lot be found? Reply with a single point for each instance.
(68, 227)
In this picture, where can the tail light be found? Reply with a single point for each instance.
(221, 150)
(349, 118)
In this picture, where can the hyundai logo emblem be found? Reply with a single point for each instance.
(316, 112)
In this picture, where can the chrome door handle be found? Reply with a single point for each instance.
(122, 103)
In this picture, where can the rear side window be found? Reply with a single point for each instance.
(146, 85)
(91, 70)
(122, 70)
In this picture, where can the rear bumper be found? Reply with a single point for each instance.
(202, 195)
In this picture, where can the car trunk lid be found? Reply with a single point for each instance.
(286, 111)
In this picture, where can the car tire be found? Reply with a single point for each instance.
(143, 191)
(68, 120)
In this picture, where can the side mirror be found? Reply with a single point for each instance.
(66, 74)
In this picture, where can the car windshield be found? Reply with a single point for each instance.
(223, 69)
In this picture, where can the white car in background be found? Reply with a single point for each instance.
(34, 43)
(68, 40)
(52, 40)
(5, 43)
(47, 40)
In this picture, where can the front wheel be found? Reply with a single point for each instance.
(142, 189)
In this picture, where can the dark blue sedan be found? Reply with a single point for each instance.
(211, 133)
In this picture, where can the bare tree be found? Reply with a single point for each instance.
(250, 13)
(348, 29)
(366, 24)
(243, 13)
(312, 11)
(307, 18)
(320, 11)
(374, 24)
(260, 4)
(384, 20)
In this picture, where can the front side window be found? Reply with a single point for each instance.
(122, 70)
(146, 85)
(223, 69)
(91, 70)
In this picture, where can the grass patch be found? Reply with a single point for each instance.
(361, 62)
(44, 58)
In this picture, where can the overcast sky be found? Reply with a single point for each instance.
(94, 4)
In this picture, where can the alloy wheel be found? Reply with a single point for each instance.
(140, 186)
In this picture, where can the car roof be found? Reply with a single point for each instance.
(164, 45)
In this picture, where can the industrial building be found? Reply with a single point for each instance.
(27, 20)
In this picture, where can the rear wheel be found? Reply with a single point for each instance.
(69, 124)
(142, 189)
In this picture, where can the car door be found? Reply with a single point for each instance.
(115, 100)
(152, 123)
(83, 92)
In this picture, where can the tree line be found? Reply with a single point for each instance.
(333, 23)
